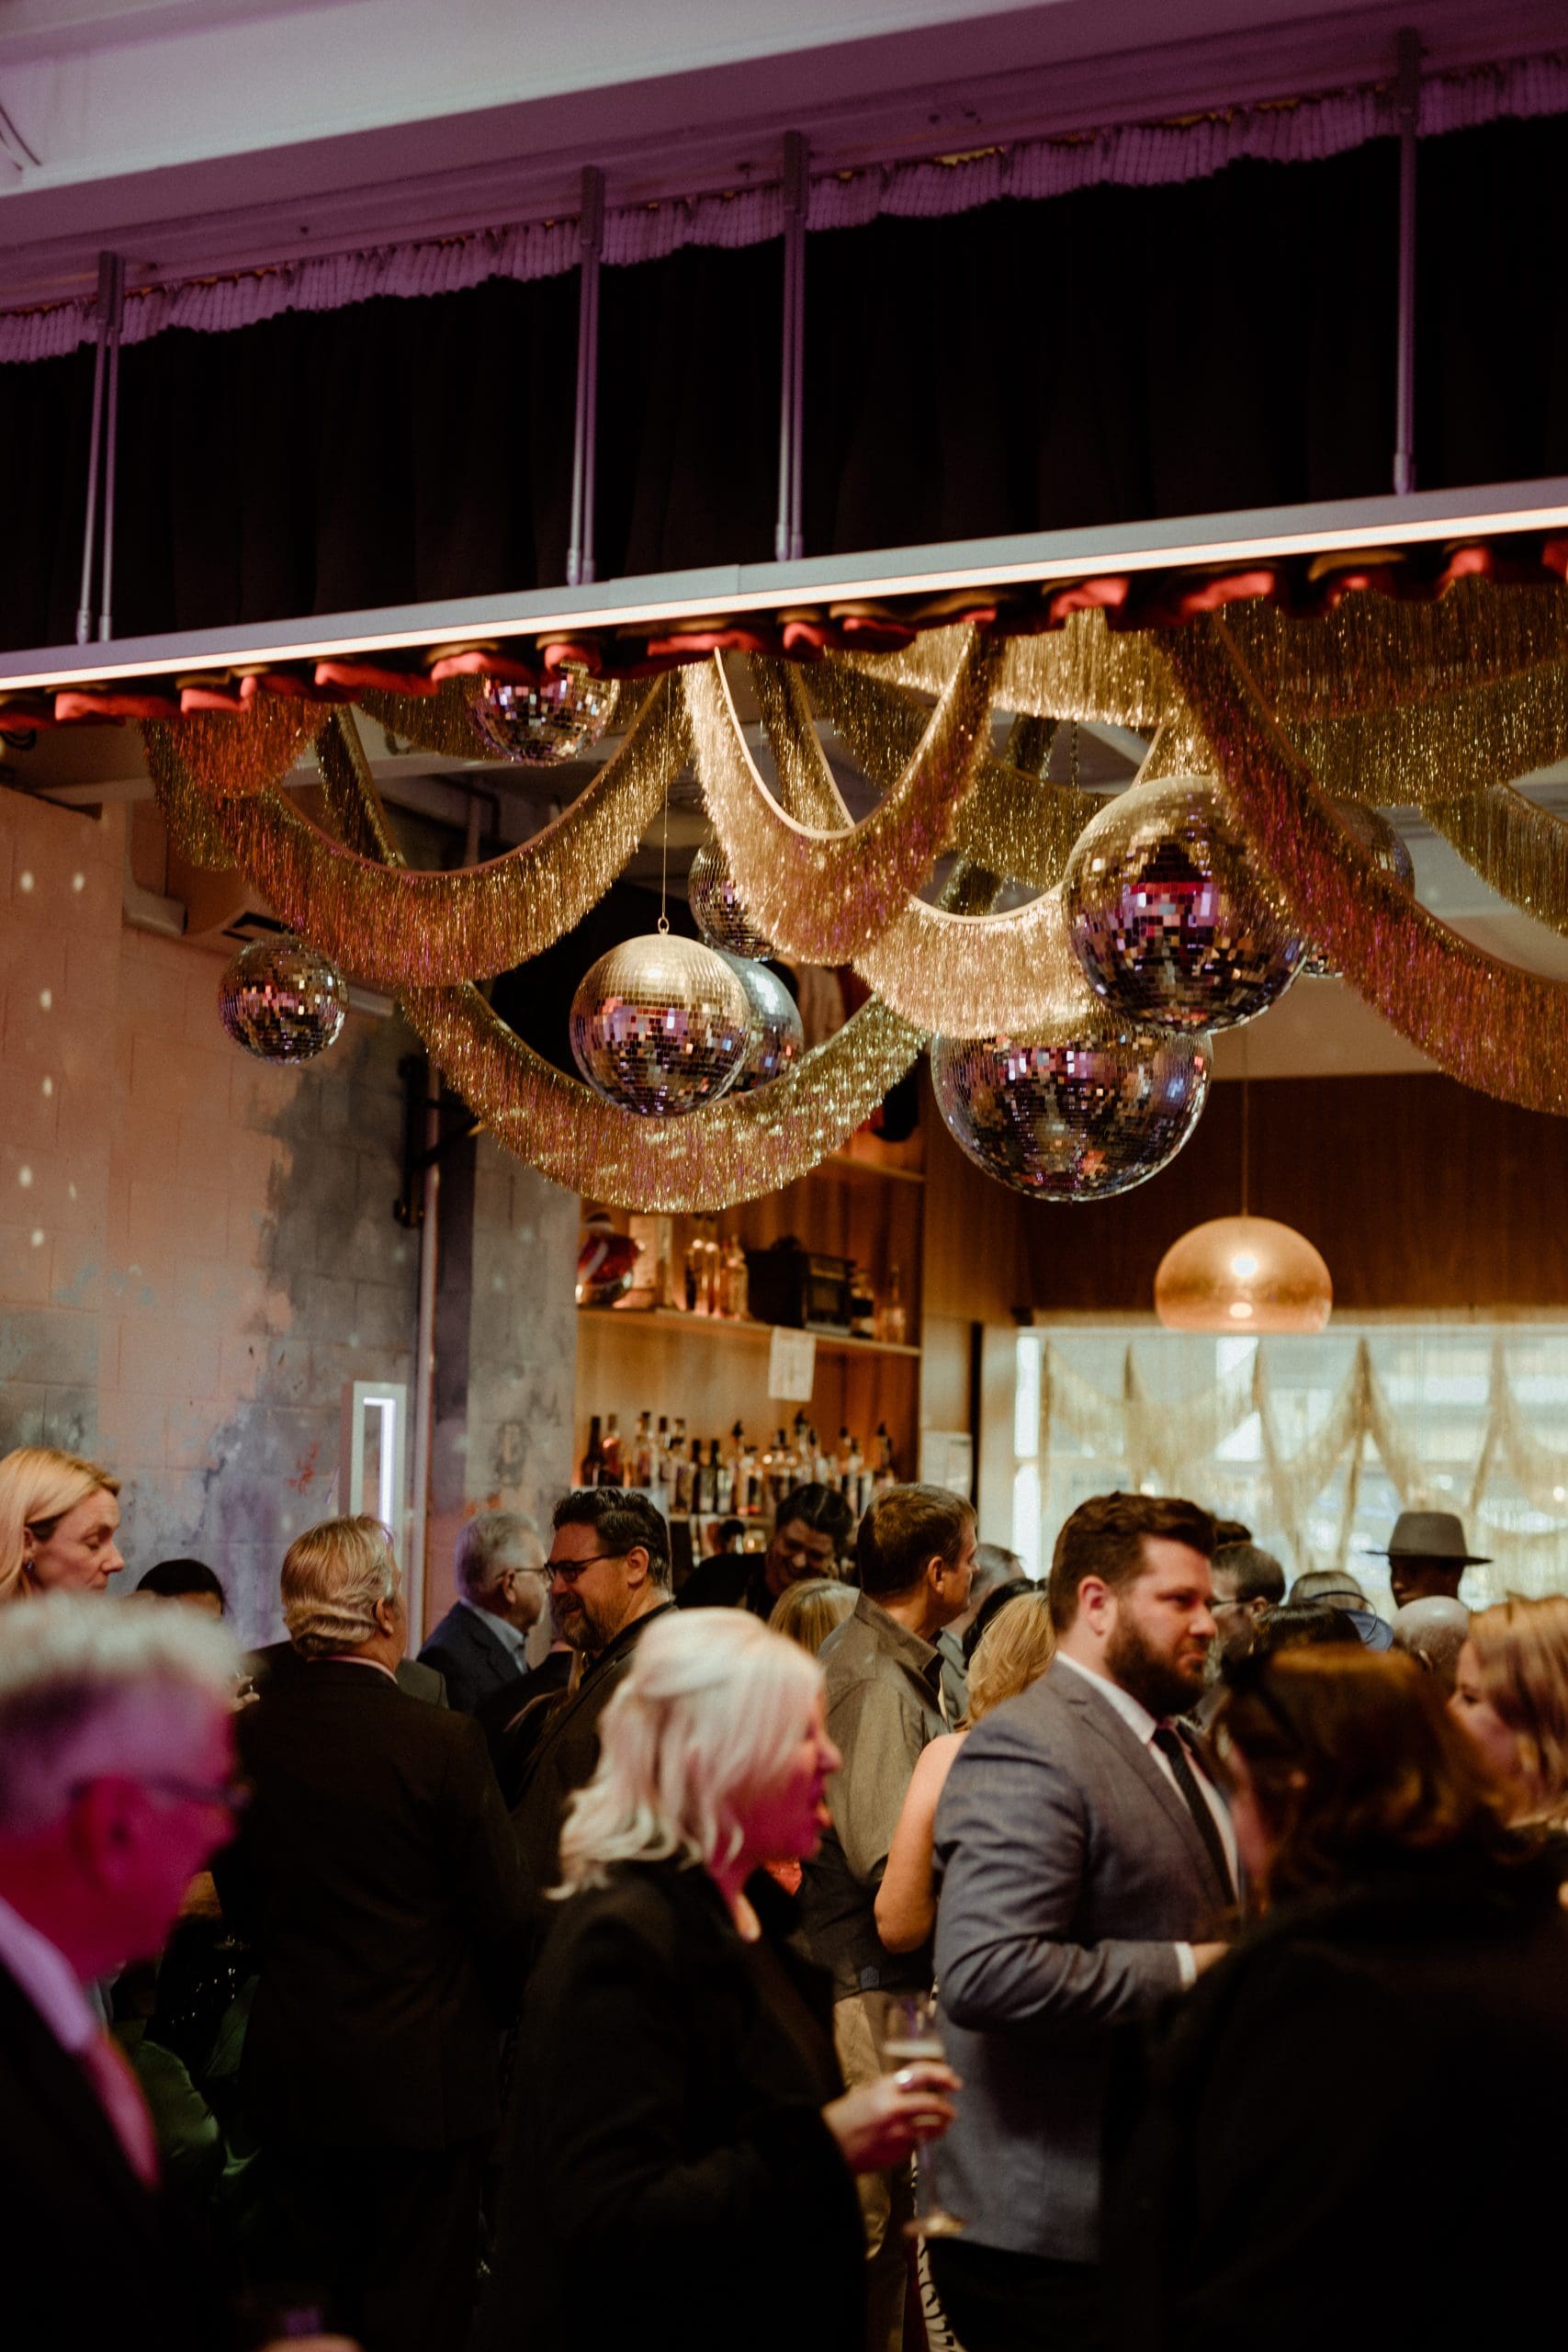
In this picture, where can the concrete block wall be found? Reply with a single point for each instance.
(198, 1251)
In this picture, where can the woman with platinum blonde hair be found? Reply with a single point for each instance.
(680, 2116)
(59, 1515)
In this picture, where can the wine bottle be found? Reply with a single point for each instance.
(594, 1460)
(611, 1468)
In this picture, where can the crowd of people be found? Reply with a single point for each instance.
(864, 1947)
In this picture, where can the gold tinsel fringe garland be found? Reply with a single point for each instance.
(406, 927)
(1520, 851)
(1083, 670)
(966, 975)
(1490, 1025)
(822, 895)
(1444, 749)
(1372, 652)
(1016, 824)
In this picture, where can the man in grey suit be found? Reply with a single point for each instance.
(1083, 1856)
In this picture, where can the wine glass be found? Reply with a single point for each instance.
(911, 2035)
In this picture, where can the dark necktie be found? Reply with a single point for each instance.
(1173, 1748)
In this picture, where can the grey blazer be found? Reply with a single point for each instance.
(1069, 1869)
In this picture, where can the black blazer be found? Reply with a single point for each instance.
(565, 1755)
(1352, 2128)
(280, 1660)
(377, 1880)
(470, 1658)
(91, 2257)
(669, 2181)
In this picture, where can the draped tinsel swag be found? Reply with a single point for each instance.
(1443, 705)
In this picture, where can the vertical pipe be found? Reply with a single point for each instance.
(591, 245)
(789, 543)
(1408, 108)
(111, 443)
(423, 1416)
(84, 613)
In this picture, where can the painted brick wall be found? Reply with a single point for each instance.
(198, 1251)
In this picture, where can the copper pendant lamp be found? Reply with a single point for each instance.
(1243, 1275)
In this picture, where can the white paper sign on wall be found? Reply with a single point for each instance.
(791, 1365)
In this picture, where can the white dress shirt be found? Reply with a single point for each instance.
(1142, 1726)
(47, 1979)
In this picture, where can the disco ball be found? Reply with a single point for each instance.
(1373, 832)
(716, 910)
(660, 1025)
(778, 1039)
(537, 726)
(1089, 1106)
(1168, 915)
(282, 1001)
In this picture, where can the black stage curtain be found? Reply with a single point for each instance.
(1111, 356)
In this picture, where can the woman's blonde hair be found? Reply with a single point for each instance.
(37, 1487)
(333, 1576)
(1014, 1651)
(705, 1722)
(1521, 1648)
(807, 1613)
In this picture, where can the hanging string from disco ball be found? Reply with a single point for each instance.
(282, 1001)
(1080, 1110)
(717, 909)
(1371, 830)
(538, 725)
(778, 1034)
(1168, 914)
(662, 1025)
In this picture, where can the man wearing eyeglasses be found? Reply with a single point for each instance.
(609, 1571)
(115, 1787)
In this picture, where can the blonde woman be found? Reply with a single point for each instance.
(678, 2169)
(58, 1516)
(1014, 1651)
(1511, 1698)
(807, 1613)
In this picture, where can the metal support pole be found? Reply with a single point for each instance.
(1408, 106)
(108, 278)
(590, 243)
(789, 540)
(111, 443)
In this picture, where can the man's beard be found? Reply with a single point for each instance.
(577, 1628)
(1147, 1674)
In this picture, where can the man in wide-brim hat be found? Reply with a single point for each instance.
(1428, 1555)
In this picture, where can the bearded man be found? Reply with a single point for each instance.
(1086, 1861)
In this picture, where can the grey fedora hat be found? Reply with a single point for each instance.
(1431, 1535)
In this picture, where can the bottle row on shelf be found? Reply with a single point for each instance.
(787, 1282)
(697, 1477)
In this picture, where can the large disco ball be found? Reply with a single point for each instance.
(717, 909)
(778, 1038)
(537, 726)
(1089, 1106)
(1372, 830)
(282, 1001)
(1168, 915)
(660, 1025)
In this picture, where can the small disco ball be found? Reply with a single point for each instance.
(778, 1039)
(1168, 915)
(1373, 832)
(1085, 1108)
(537, 726)
(660, 1025)
(282, 1001)
(716, 909)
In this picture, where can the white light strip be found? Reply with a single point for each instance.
(1372, 524)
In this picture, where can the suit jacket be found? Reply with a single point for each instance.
(377, 1882)
(1306, 2107)
(1069, 1869)
(668, 2180)
(92, 2257)
(281, 1659)
(470, 1656)
(565, 1754)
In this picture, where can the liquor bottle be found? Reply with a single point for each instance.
(594, 1460)
(723, 1481)
(842, 1466)
(662, 1474)
(713, 1261)
(610, 1474)
(682, 1499)
(855, 1479)
(895, 1315)
(739, 1281)
(885, 1472)
(642, 1454)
